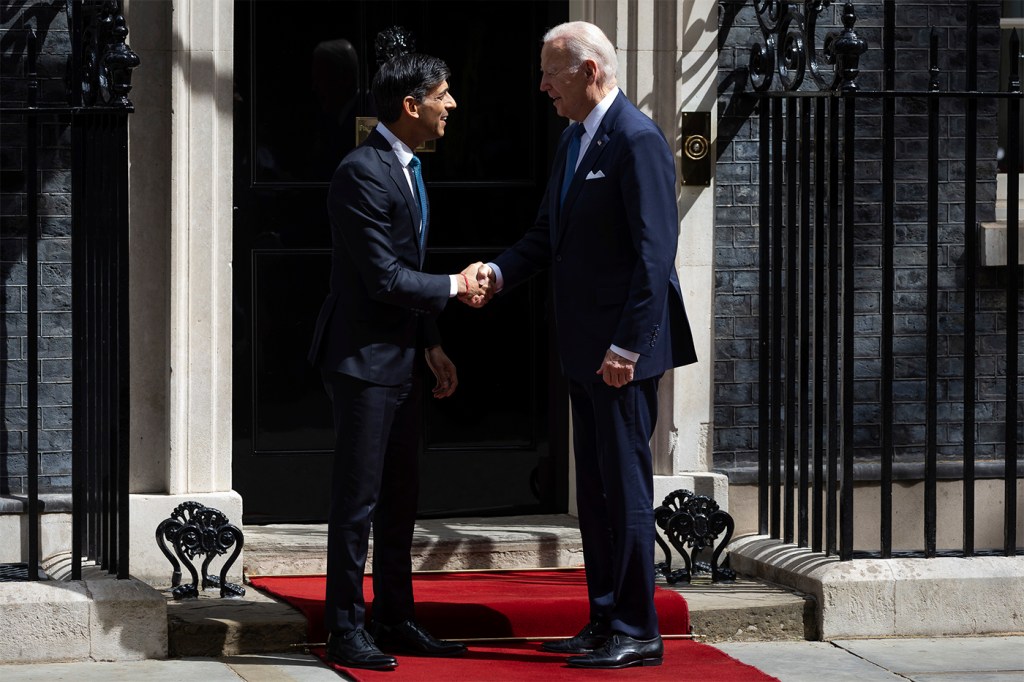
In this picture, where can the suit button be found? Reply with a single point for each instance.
(558, 259)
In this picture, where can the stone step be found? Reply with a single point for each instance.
(747, 610)
(546, 541)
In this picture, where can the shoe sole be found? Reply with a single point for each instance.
(350, 664)
(642, 662)
(363, 667)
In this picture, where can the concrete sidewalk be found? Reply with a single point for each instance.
(960, 659)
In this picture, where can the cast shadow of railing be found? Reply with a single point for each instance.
(18, 19)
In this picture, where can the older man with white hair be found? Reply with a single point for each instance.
(607, 231)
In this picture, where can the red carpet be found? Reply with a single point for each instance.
(483, 604)
(512, 605)
(685, 660)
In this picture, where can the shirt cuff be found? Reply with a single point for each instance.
(628, 354)
(453, 290)
(499, 282)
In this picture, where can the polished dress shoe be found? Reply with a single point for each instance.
(592, 636)
(355, 649)
(621, 651)
(409, 638)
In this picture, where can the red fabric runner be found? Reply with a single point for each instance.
(483, 604)
(685, 659)
(512, 605)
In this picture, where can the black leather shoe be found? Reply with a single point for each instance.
(355, 649)
(591, 637)
(621, 651)
(409, 638)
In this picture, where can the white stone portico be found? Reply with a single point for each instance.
(181, 205)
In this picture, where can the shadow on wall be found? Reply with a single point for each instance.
(16, 18)
(735, 108)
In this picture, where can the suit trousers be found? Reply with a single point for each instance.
(612, 429)
(375, 481)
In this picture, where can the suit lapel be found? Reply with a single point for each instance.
(595, 152)
(397, 174)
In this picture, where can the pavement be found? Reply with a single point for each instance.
(960, 659)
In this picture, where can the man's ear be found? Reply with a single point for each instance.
(590, 70)
(410, 106)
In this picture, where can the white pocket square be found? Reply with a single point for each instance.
(595, 176)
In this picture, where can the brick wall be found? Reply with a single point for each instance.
(737, 249)
(49, 19)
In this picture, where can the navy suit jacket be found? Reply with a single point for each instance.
(611, 250)
(381, 308)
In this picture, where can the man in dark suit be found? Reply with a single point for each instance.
(379, 314)
(607, 229)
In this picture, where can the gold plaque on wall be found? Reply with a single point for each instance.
(365, 124)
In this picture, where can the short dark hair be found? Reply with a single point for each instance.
(407, 75)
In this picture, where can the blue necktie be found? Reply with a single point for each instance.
(570, 159)
(421, 197)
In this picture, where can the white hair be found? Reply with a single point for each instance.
(583, 40)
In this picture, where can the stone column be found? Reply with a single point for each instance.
(181, 226)
(668, 60)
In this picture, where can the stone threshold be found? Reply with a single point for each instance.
(900, 597)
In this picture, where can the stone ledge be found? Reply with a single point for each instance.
(212, 626)
(98, 618)
(893, 597)
(49, 503)
(993, 243)
(747, 611)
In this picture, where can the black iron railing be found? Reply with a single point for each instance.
(816, 199)
(99, 79)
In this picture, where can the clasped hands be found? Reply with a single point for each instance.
(476, 284)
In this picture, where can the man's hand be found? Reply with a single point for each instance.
(475, 289)
(444, 372)
(616, 370)
(485, 276)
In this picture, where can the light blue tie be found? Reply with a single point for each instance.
(570, 159)
(421, 197)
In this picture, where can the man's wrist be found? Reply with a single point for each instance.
(628, 354)
(499, 282)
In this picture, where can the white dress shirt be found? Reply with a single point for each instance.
(404, 156)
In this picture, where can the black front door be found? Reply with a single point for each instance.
(302, 74)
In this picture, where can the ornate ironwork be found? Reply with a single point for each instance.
(194, 529)
(106, 59)
(788, 51)
(692, 524)
(392, 42)
(844, 50)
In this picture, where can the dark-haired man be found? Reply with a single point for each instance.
(380, 313)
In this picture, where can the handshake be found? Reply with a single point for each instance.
(477, 284)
